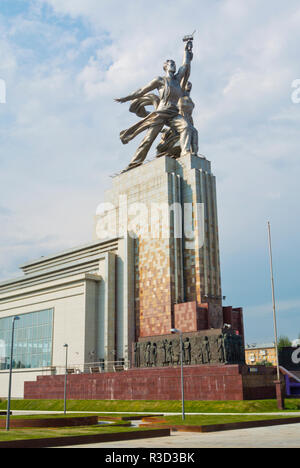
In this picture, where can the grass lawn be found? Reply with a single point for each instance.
(23, 434)
(208, 420)
(197, 420)
(59, 416)
(257, 406)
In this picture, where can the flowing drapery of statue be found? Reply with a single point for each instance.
(172, 114)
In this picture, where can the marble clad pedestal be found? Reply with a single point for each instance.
(169, 270)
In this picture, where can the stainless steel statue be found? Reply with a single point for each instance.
(173, 108)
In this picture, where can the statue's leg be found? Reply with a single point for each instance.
(185, 131)
(144, 147)
(167, 143)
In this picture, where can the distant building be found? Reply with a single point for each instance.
(260, 353)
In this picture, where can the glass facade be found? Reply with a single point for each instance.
(32, 340)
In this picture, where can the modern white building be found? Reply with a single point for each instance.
(81, 297)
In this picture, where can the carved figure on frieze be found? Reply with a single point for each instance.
(206, 351)
(229, 348)
(198, 352)
(221, 348)
(137, 355)
(162, 352)
(236, 348)
(193, 342)
(142, 354)
(148, 354)
(176, 352)
(154, 354)
(170, 353)
(187, 355)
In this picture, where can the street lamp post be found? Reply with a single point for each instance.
(10, 373)
(66, 376)
(175, 330)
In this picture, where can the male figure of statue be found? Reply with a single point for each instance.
(167, 112)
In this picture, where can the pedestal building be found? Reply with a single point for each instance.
(153, 265)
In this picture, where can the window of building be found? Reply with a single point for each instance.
(32, 340)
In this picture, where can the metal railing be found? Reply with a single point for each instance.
(88, 368)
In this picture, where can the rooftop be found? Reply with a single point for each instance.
(259, 346)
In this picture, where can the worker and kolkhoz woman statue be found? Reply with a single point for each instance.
(172, 114)
(219, 348)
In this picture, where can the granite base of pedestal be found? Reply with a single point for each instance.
(211, 382)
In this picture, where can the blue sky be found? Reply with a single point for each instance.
(64, 61)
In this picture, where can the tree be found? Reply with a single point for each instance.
(264, 363)
(284, 342)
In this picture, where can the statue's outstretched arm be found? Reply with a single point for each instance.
(185, 70)
(186, 76)
(154, 84)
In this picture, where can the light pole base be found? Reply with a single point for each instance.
(279, 395)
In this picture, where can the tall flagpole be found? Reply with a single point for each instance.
(279, 393)
(273, 300)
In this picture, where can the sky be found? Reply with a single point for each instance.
(64, 61)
